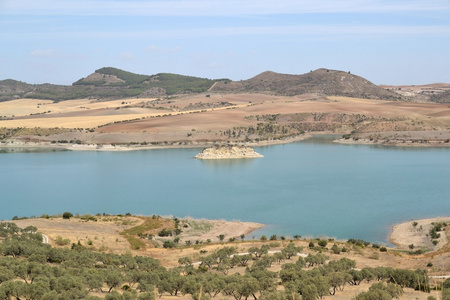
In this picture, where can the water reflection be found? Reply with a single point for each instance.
(30, 150)
(227, 163)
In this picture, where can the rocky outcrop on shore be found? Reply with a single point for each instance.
(227, 152)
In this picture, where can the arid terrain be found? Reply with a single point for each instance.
(192, 120)
(268, 108)
(106, 234)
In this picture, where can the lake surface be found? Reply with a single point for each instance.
(309, 188)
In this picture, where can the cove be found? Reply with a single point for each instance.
(309, 188)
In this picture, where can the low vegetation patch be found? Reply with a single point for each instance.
(136, 234)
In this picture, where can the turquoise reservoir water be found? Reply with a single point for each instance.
(309, 188)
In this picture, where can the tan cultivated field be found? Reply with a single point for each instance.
(89, 113)
(197, 119)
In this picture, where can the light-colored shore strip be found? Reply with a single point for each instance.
(17, 144)
(395, 143)
(415, 234)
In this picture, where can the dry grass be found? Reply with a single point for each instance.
(166, 121)
(80, 113)
(148, 226)
(104, 233)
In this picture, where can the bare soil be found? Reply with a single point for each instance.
(105, 233)
(167, 122)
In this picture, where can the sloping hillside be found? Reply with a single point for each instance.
(13, 89)
(443, 97)
(323, 81)
(157, 85)
(107, 83)
(112, 83)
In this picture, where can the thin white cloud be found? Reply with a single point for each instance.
(159, 49)
(214, 7)
(295, 31)
(42, 53)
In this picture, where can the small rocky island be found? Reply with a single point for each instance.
(227, 152)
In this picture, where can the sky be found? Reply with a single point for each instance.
(387, 42)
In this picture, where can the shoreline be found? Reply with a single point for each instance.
(414, 234)
(394, 143)
(111, 227)
(17, 144)
(231, 229)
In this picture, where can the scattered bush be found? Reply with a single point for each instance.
(165, 232)
(169, 244)
(375, 256)
(360, 243)
(61, 242)
(335, 249)
(67, 215)
(323, 243)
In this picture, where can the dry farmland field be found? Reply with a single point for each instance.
(185, 120)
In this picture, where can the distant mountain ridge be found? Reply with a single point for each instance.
(322, 81)
(113, 83)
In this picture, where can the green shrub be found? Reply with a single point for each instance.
(322, 243)
(335, 249)
(165, 232)
(169, 244)
(67, 215)
(61, 242)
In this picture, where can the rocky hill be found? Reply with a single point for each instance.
(148, 85)
(12, 89)
(108, 83)
(112, 83)
(322, 81)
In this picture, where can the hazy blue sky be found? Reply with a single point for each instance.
(387, 42)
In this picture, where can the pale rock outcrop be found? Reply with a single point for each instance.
(228, 152)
